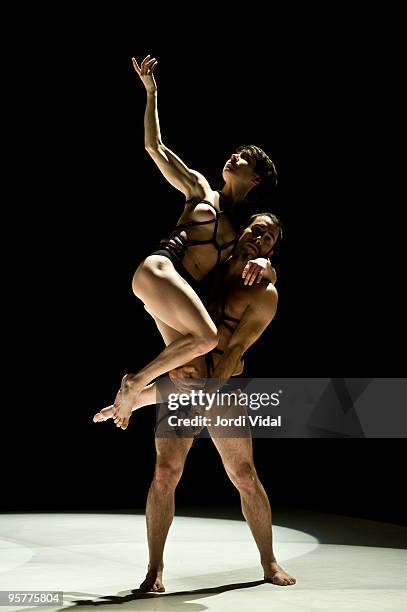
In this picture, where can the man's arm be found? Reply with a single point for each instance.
(257, 316)
(190, 182)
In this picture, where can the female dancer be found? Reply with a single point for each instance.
(230, 304)
(204, 236)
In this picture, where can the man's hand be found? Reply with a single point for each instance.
(257, 269)
(186, 378)
(145, 72)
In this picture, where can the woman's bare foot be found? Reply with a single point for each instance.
(275, 574)
(125, 399)
(153, 582)
(107, 413)
(103, 415)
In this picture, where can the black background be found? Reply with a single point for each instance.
(319, 95)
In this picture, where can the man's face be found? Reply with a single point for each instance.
(241, 166)
(258, 239)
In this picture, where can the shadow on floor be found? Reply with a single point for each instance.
(179, 600)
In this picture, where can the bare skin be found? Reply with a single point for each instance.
(171, 455)
(236, 453)
(255, 240)
(156, 276)
(237, 458)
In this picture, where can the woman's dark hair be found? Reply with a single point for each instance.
(264, 167)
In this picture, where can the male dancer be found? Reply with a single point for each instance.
(247, 312)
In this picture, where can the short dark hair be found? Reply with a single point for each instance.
(274, 219)
(264, 167)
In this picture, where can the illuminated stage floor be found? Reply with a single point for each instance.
(341, 564)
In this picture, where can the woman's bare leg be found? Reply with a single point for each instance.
(168, 334)
(153, 394)
(148, 396)
(181, 310)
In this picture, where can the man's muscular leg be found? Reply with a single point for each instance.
(171, 455)
(237, 457)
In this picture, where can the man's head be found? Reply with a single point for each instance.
(251, 165)
(258, 237)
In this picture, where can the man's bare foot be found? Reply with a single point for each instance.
(275, 574)
(103, 415)
(153, 582)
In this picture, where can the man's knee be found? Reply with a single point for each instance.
(244, 477)
(167, 476)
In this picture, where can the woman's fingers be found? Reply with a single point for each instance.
(245, 270)
(135, 65)
(147, 65)
(250, 271)
(250, 278)
(259, 276)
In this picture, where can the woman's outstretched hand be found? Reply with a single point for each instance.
(146, 72)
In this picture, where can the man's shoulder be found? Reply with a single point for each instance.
(260, 298)
(262, 303)
(264, 292)
(267, 296)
